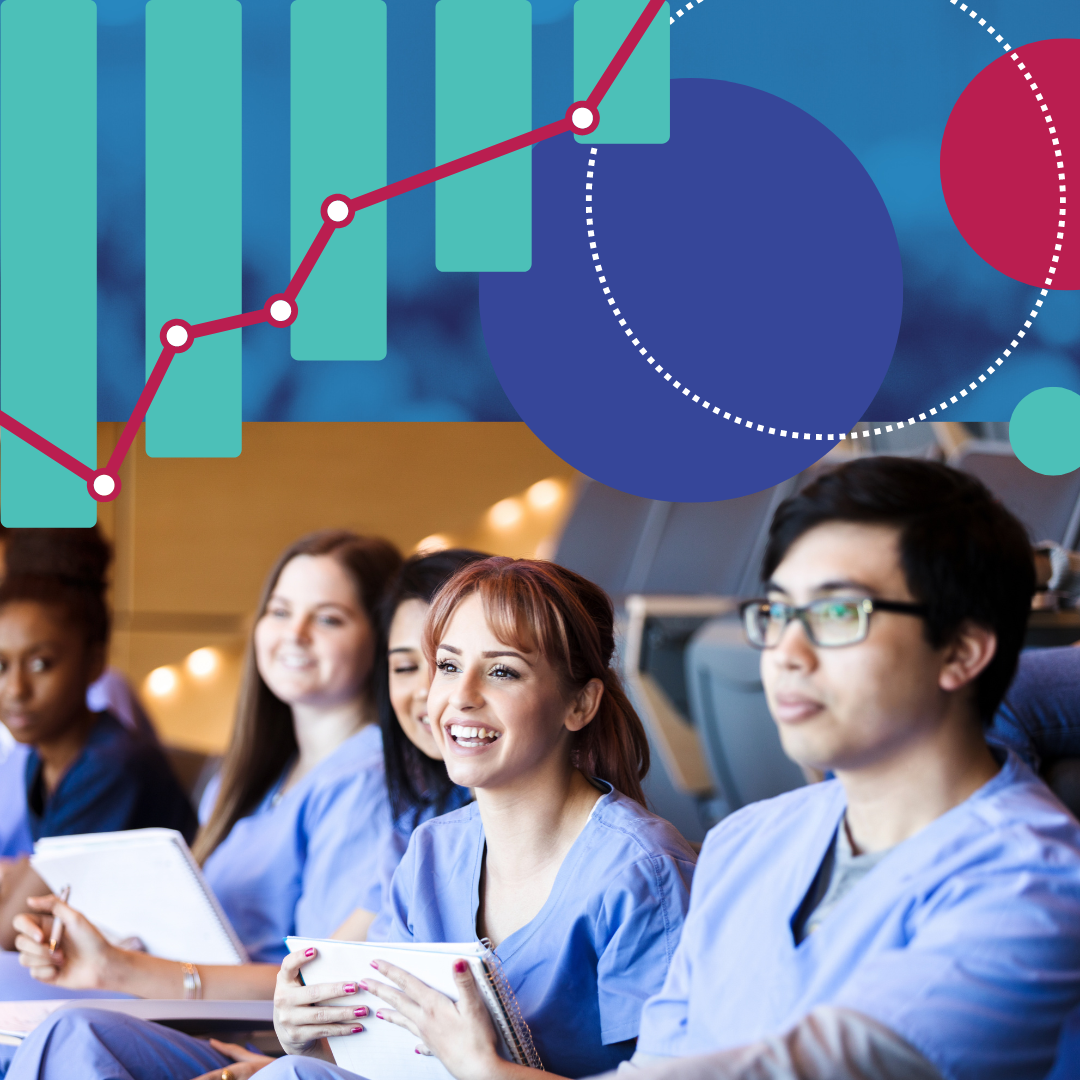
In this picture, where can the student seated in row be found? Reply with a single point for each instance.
(580, 890)
(294, 823)
(83, 771)
(918, 916)
(79, 556)
(419, 788)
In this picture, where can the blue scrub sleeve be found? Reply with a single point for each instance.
(985, 983)
(345, 826)
(664, 1021)
(645, 913)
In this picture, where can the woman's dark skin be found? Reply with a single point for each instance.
(45, 667)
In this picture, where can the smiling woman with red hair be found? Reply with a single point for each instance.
(577, 887)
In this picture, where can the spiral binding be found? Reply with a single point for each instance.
(523, 1039)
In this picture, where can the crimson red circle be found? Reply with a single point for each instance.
(324, 211)
(281, 322)
(1000, 165)
(112, 494)
(165, 327)
(569, 114)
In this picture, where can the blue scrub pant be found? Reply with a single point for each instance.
(109, 1046)
(301, 1068)
(1068, 1056)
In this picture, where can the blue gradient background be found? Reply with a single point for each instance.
(883, 77)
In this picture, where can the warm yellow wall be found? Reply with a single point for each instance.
(194, 537)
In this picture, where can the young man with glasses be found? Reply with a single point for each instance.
(918, 916)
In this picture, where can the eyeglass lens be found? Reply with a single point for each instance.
(829, 622)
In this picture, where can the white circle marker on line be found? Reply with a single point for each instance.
(176, 336)
(104, 485)
(581, 118)
(337, 210)
(280, 310)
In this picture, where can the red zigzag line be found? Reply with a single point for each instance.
(372, 198)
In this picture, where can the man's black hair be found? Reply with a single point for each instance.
(963, 554)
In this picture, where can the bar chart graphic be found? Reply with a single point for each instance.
(191, 406)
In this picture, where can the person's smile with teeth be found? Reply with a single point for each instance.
(314, 641)
(471, 736)
(498, 708)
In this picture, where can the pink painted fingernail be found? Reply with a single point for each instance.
(356, 1030)
(460, 966)
(362, 1011)
(380, 1016)
(375, 964)
(349, 988)
(363, 986)
(416, 1049)
(309, 952)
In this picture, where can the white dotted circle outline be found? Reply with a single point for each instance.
(899, 425)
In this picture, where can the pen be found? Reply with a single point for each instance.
(57, 931)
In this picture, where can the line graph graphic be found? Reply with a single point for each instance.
(337, 211)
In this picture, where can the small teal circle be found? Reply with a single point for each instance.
(1045, 431)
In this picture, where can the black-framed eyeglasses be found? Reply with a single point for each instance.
(829, 622)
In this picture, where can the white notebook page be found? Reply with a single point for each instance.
(142, 883)
(384, 1051)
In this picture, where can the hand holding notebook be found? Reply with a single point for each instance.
(141, 883)
(451, 996)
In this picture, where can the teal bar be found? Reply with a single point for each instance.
(483, 95)
(48, 256)
(637, 107)
(193, 237)
(338, 105)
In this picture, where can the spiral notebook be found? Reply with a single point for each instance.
(384, 1051)
(142, 884)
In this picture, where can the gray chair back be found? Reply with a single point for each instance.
(1048, 505)
(627, 544)
(727, 703)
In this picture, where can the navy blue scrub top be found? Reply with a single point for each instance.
(120, 780)
(1040, 716)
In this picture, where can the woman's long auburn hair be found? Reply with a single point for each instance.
(263, 740)
(530, 605)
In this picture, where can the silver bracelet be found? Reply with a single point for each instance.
(192, 982)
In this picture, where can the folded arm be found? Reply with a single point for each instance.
(828, 1044)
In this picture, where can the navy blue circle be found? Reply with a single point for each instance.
(754, 259)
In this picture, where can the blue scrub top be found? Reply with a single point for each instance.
(964, 939)
(302, 862)
(600, 945)
(393, 849)
(111, 693)
(120, 780)
(15, 838)
(1040, 716)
